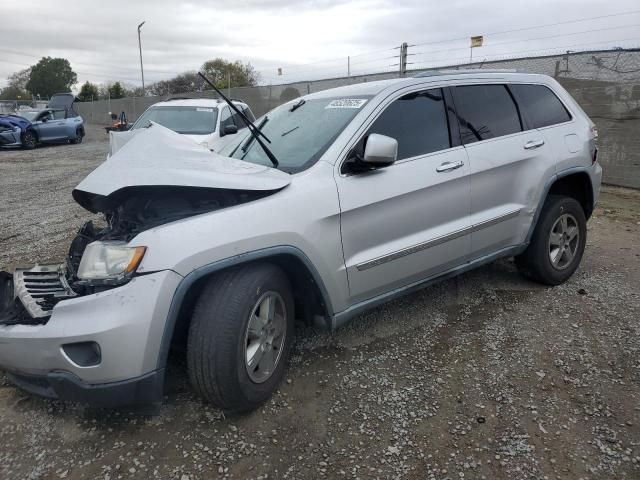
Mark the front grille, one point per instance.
(41, 287)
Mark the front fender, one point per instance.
(194, 276)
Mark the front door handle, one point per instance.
(448, 166)
(533, 144)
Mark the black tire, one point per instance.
(216, 357)
(535, 262)
(29, 140)
(79, 136)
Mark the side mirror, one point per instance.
(44, 119)
(230, 130)
(380, 151)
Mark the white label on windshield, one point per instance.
(347, 103)
(200, 109)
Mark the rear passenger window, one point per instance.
(539, 105)
(418, 122)
(485, 111)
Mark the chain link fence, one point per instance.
(13, 106)
(605, 83)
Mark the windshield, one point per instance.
(298, 137)
(185, 120)
(31, 116)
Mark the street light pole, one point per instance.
(140, 48)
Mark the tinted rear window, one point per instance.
(485, 111)
(418, 122)
(539, 105)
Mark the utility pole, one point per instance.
(140, 48)
(348, 66)
(403, 59)
(229, 83)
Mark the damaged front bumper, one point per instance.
(100, 348)
(10, 137)
(37, 289)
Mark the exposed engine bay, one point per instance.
(29, 295)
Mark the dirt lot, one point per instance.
(484, 376)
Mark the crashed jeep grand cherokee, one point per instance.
(332, 204)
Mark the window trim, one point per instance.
(380, 109)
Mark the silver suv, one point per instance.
(352, 197)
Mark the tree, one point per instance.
(185, 82)
(116, 90)
(51, 75)
(88, 92)
(219, 71)
(16, 85)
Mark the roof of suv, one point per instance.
(377, 86)
(195, 102)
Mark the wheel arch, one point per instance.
(310, 294)
(574, 183)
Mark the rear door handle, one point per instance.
(448, 166)
(533, 144)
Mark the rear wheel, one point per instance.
(240, 335)
(557, 244)
(29, 140)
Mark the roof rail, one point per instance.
(466, 71)
(186, 98)
(202, 98)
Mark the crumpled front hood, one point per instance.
(158, 156)
(12, 121)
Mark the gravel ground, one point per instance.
(483, 376)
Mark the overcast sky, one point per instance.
(307, 38)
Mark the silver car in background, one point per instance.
(369, 191)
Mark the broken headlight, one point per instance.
(109, 262)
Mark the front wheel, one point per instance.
(79, 136)
(557, 244)
(29, 140)
(240, 335)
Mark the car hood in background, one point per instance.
(157, 156)
(61, 101)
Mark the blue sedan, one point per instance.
(58, 123)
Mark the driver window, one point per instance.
(58, 115)
(46, 116)
(418, 121)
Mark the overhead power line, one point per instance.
(533, 27)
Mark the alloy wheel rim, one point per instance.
(265, 336)
(563, 241)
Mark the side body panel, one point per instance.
(508, 174)
(404, 222)
(506, 185)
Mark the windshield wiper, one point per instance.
(255, 132)
(297, 105)
(249, 140)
